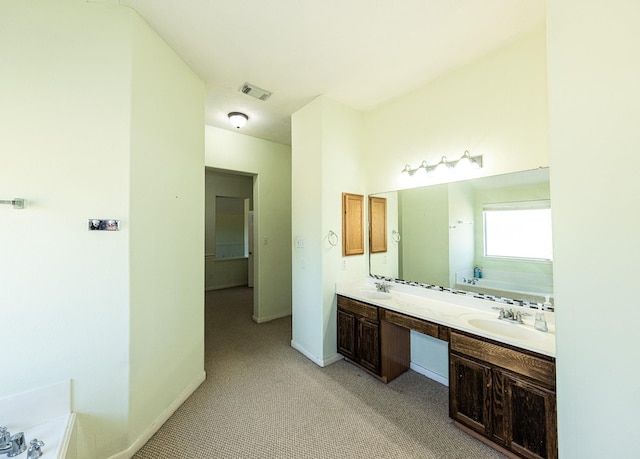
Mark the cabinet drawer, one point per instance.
(538, 368)
(367, 311)
(419, 325)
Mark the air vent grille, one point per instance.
(254, 91)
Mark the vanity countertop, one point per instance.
(465, 313)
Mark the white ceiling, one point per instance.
(362, 53)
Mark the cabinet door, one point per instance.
(368, 345)
(470, 393)
(530, 419)
(377, 224)
(346, 334)
(352, 224)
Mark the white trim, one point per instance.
(429, 374)
(260, 320)
(160, 420)
(518, 205)
(320, 362)
(68, 437)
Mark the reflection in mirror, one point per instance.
(443, 238)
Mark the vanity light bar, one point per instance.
(465, 162)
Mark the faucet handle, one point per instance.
(5, 438)
(34, 451)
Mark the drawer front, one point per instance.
(537, 368)
(367, 311)
(419, 325)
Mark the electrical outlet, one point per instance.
(265, 241)
(344, 265)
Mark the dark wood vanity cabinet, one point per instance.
(469, 393)
(359, 333)
(365, 338)
(506, 395)
(501, 394)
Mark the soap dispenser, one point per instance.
(541, 322)
(547, 306)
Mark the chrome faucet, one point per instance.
(18, 445)
(382, 287)
(511, 316)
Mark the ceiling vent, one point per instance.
(254, 91)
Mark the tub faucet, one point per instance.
(18, 445)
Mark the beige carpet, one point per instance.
(263, 399)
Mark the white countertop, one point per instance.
(460, 312)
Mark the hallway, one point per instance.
(263, 399)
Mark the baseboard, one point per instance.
(261, 320)
(320, 362)
(160, 420)
(223, 286)
(429, 374)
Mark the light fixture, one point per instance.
(422, 171)
(465, 163)
(405, 175)
(238, 119)
(442, 167)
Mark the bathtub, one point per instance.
(520, 291)
(44, 414)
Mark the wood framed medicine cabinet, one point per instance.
(377, 224)
(352, 224)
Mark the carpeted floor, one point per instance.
(263, 399)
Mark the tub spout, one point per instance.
(18, 445)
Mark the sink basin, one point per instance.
(506, 329)
(375, 295)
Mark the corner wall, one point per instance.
(327, 161)
(66, 95)
(88, 105)
(166, 332)
(593, 111)
(271, 162)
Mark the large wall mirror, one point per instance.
(490, 235)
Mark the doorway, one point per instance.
(229, 229)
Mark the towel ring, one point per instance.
(332, 238)
(395, 236)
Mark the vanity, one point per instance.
(501, 374)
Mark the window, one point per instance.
(518, 230)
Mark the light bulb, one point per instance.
(238, 119)
(442, 167)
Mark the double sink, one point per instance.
(481, 321)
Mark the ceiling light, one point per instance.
(238, 119)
